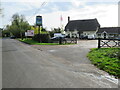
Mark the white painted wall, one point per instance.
(72, 33)
(85, 33)
(89, 33)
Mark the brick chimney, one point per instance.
(68, 18)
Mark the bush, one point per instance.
(44, 38)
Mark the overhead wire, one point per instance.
(37, 10)
(34, 13)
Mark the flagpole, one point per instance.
(61, 19)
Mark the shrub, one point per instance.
(44, 38)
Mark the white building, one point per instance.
(109, 32)
(82, 28)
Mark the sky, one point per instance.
(106, 11)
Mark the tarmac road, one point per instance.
(50, 67)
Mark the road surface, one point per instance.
(26, 67)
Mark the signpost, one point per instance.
(39, 23)
(29, 33)
(39, 20)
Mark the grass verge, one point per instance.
(32, 42)
(107, 59)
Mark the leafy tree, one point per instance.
(6, 33)
(35, 28)
(1, 10)
(55, 30)
(19, 26)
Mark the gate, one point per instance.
(108, 43)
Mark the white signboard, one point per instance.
(29, 33)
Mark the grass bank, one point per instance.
(32, 42)
(107, 59)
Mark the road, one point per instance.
(0, 63)
(25, 66)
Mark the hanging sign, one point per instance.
(39, 20)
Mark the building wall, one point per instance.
(84, 33)
(72, 33)
(108, 35)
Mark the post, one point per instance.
(99, 43)
(39, 24)
(39, 34)
(76, 40)
(60, 40)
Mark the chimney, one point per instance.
(68, 18)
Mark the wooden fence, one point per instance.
(108, 43)
(66, 41)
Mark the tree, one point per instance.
(19, 26)
(42, 31)
(55, 30)
(6, 32)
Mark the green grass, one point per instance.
(32, 42)
(107, 59)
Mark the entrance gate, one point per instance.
(108, 43)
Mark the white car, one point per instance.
(91, 37)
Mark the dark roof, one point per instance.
(113, 30)
(82, 25)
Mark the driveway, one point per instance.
(31, 66)
(74, 58)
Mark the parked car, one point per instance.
(83, 37)
(59, 35)
(91, 37)
(12, 37)
(57, 38)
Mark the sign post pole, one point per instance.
(39, 34)
(39, 24)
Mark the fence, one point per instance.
(71, 40)
(65, 41)
(108, 43)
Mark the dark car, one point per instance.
(57, 38)
(12, 37)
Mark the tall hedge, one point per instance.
(44, 38)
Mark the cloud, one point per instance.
(106, 13)
(59, 0)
